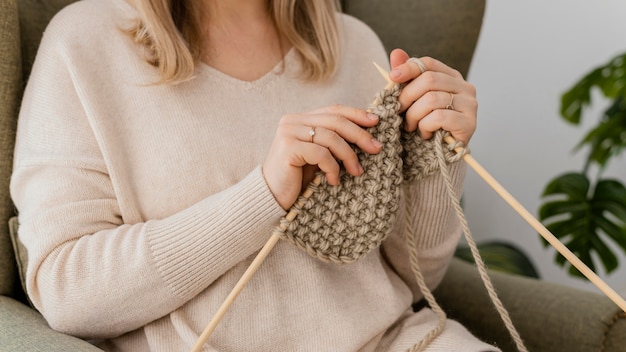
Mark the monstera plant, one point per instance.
(584, 209)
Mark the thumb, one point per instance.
(398, 57)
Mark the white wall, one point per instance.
(529, 53)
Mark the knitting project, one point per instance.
(343, 223)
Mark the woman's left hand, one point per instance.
(438, 98)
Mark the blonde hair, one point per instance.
(170, 32)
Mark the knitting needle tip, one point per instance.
(382, 72)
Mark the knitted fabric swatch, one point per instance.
(343, 223)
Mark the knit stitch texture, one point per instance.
(343, 223)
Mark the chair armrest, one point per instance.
(25, 330)
(548, 316)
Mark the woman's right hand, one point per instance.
(295, 155)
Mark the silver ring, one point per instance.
(450, 106)
(312, 133)
(419, 63)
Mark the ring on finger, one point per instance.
(419, 63)
(450, 106)
(312, 133)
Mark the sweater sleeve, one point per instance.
(436, 229)
(90, 273)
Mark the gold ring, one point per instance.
(312, 133)
(450, 106)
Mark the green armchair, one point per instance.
(549, 317)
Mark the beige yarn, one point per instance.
(342, 223)
(482, 269)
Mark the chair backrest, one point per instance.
(34, 16)
(22, 23)
(444, 29)
(10, 88)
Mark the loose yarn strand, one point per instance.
(504, 314)
(421, 283)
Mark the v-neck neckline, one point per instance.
(278, 69)
(287, 63)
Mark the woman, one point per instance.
(158, 146)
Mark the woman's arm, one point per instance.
(91, 272)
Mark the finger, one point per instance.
(459, 126)
(398, 57)
(405, 72)
(343, 129)
(431, 81)
(339, 148)
(434, 100)
(314, 154)
(410, 70)
(360, 117)
(438, 66)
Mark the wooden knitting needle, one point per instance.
(258, 260)
(532, 221)
(542, 230)
(254, 266)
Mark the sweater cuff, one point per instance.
(194, 247)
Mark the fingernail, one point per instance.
(371, 116)
(376, 143)
(361, 170)
(395, 73)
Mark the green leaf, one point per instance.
(610, 190)
(608, 138)
(586, 216)
(609, 78)
(609, 260)
(585, 220)
(611, 230)
(574, 100)
(573, 185)
(562, 207)
(613, 76)
(565, 227)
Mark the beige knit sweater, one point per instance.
(141, 205)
